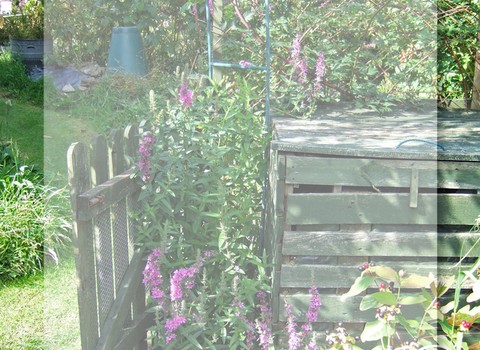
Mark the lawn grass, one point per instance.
(60, 131)
(62, 329)
(41, 312)
(22, 313)
(23, 124)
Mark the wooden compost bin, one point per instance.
(342, 193)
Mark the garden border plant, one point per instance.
(201, 166)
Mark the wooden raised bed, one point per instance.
(342, 193)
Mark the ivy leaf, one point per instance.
(361, 283)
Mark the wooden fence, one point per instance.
(111, 296)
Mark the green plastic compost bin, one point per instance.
(126, 53)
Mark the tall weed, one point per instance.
(27, 224)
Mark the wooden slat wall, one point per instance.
(338, 213)
(102, 196)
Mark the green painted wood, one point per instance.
(394, 243)
(102, 233)
(458, 209)
(132, 142)
(359, 172)
(326, 276)
(465, 175)
(135, 334)
(346, 131)
(82, 237)
(335, 310)
(275, 296)
(110, 193)
(116, 153)
(112, 328)
(414, 182)
(119, 215)
(360, 208)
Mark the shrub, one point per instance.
(27, 225)
(16, 82)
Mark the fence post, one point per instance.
(79, 182)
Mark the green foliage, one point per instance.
(28, 228)
(14, 80)
(203, 189)
(26, 22)
(458, 28)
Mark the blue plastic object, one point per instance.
(126, 53)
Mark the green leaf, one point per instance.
(416, 281)
(376, 330)
(385, 298)
(369, 302)
(475, 292)
(385, 272)
(361, 283)
(444, 284)
(409, 327)
(411, 300)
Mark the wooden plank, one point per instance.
(120, 308)
(116, 153)
(361, 243)
(343, 276)
(464, 175)
(414, 189)
(347, 131)
(102, 233)
(361, 208)
(82, 237)
(132, 141)
(359, 172)
(138, 303)
(458, 209)
(333, 309)
(110, 192)
(135, 333)
(275, 296)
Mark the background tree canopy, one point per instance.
(376, 52)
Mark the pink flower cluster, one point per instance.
(294, 338)
(183, 278)
(153, 277)
(319, 72)
(185, 96)
(145, 154)
(299, 64)
(264, 333)
(180, 278)
(172, 325)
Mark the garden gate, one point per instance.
(111, 297)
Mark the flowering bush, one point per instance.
(201, 167)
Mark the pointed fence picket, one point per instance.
(111, 297)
